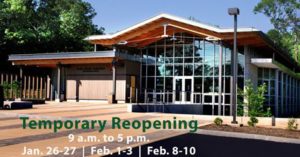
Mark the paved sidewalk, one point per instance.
(13, 138)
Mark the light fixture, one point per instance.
(210, 38)
(173, 37)
(122, 42)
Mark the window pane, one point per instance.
(199, 48)
(160, 70)
(150, 83)
(178, 70)
(188, 50)
(169, 51)
(198, 84)
(178, 50)
(198, 69)
(159, 83)
(169, 83)
(151, 70)
(208, 84)
(169, 70)
(188, 70)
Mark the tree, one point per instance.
(285, 16)
(46, 25)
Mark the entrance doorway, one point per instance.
(183, 89)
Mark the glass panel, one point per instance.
(144, 70)
(217, 59)
(228, 62)
(207, 99)
(227, 85)
(159, 84)
(198, 84)
(199, 48)
(169, 51)
(160, 70)
(198, 60)
(260, 73)
(178, 60)
(272, 74)
(266, 73)
(169, 60)
(188, 89)
(198, 70)
(216, 79)
(178, 70)
(178, 89)
(188, 50)
(208, 84)
(240, 83)
(209, 59)
(188, 60)
(169, 83)
(178, 50)
(169, 70)
(150, 83)
(151, 70)
(188, 70)
(151, 56)
(241, 64)
(160, 55)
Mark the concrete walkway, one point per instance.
(13, 138)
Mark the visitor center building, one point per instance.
(172, 64)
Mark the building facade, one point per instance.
(171, 64)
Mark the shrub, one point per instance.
(292, 124)
(253, 121)
(218, 121)
(255, 98)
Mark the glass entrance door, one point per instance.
(183, 89)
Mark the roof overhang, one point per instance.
(271, 63)
(264, 63)
(53, 59)
(151, 30)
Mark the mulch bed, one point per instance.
(255, 130)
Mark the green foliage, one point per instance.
(46, 25)
(6, 87)
(14, 86)
(284, 15)
(253, 121)
(255, 100)
(218, 121)
(292, 124)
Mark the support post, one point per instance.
(112, 98)
(220, 78)
(276, 93)
(58, 83)
(235, 12)
(21, 82)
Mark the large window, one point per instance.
(188, 56)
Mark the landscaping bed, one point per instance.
(255, 130)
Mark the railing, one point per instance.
(29, 87)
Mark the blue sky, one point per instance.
(115, 15)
